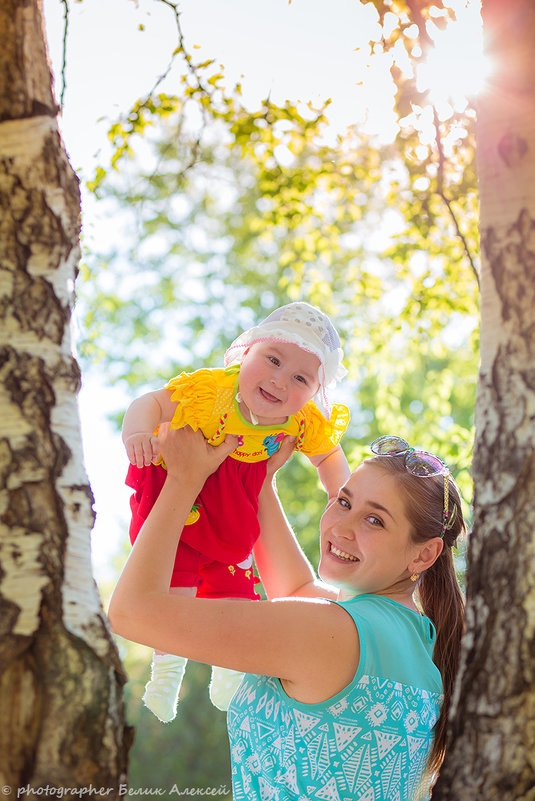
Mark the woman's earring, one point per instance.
(415, 577)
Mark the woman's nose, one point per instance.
(343, 530)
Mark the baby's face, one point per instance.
(277, 379)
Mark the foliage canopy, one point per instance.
(231, 211)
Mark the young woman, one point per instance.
(343, 697)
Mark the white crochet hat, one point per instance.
(303, 325)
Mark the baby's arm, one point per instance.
(141, 418)
(332, 468)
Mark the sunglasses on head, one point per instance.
(418, 463)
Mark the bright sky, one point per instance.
(303, 50)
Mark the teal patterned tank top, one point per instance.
(370, 742)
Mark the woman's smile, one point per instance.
(342, 555)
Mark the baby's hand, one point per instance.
(142, 448)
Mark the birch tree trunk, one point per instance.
(492, 735)
(61, 709)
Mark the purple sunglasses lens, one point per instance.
(389, 446)
(421, 463)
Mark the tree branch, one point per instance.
(418, 18)
(64, 55)
(441, 193)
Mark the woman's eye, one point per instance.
(343, 502)
(375, 521)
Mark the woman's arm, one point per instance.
(282, 565)
(333, 469)
(310, 644)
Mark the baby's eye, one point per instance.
(301, 378)
(274, 360)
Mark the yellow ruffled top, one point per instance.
(206, 399)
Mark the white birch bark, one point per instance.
(60, 676)
(492, 735)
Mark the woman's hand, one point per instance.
(188, 456)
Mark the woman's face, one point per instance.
(365, 544)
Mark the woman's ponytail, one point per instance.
(443, 602)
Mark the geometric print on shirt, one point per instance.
(371, 744)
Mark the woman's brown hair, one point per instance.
(439, 591)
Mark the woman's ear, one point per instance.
(427, 556)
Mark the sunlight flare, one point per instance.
(456, 68)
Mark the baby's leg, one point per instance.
(233, 582)
(224, 683)
(167, 672)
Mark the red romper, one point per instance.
(214, 552)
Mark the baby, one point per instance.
(274, 384)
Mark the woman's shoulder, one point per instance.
(396, 642)
(381, 608)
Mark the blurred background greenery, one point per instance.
(222, 212)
